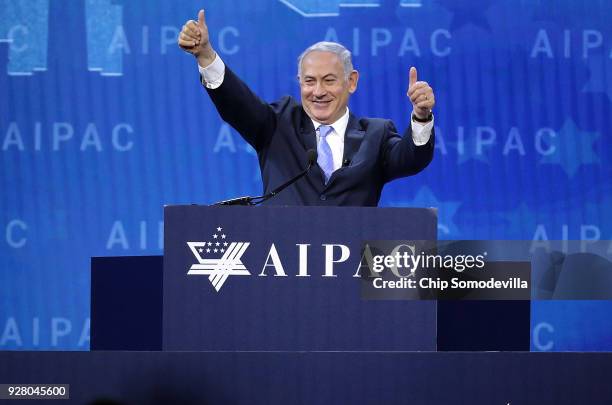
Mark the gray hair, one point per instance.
(343, 54)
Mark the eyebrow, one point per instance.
(327, 76)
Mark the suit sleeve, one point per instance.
(253, 118)
(400, 156)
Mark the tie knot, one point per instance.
(325, 130)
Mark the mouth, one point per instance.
(321, 103)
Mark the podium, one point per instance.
(287, 279)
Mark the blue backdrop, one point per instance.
(103, 121)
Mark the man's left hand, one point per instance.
(421, 96)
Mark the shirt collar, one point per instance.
(339, 126)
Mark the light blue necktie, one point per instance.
(325, 158)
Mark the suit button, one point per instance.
(323, 197)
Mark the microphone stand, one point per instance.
(247, 200)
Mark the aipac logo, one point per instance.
(218, 258)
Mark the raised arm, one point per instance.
(236, 103)
(411, 153)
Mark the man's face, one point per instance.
(324, 90)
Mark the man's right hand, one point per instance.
(194, 39)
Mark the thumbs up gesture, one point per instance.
(194, 39)
(421, 96)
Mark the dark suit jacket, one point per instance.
(282, 133)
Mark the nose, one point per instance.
(319, 90)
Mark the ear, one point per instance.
(352, 80)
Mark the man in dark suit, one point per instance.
(356, 156)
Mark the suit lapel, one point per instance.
(307, 132)
(308, 137)
(352, 138)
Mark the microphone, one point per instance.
(246, 200)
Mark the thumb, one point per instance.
(201, 18)
(413, 77)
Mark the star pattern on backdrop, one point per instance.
(600, 72)
(446, 209)
(574, 148)
(468, 13)
(521, 222)
(467, 150)
(546, 219)
(505, 29)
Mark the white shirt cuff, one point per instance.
(213, 74)
(421, 132)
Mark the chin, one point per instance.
(320, 115)
(326, 115)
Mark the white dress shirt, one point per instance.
(212, 77)
(334, 139)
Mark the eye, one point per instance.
(330, 81)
